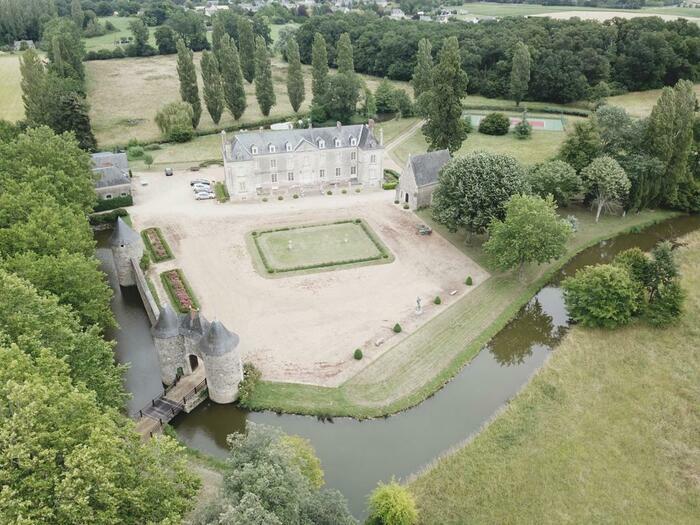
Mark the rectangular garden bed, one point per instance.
(179, 291)
(157, 246)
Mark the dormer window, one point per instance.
(289, 147)
(254, 150)
(272, 149)
(337, 143)
(353, 141)
(321, 144)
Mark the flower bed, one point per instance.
(156, 244)
(179, 291)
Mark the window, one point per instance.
(273, 164)
(321, 174)
(254, 150)
(337, 143)
(353, 170)
(289, 147)
(108, 196)
(337, 172)
(241, 187)
(373, 159)
(353, 155)
(273, 177)
(124, 194)
(353, 141)
(290, 175)
(321, 144)
(272, 149)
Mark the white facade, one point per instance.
(299, 161)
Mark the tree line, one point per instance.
(571, 59)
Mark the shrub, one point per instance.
(390, 175)
(390, 185)
(357, 190)
(358, 354)
(147, 159)
(145, 262)
(96, 219)
(264, 199)
(397, 328)
(468, 281)
(111, 204)
(329, 192)
(601, 296)
(667, 305)
(175, 121)
(437, 300)
(251, 378)
(494, 124)
(295, 196)
(406, 206)
(134, 152)
(152, 147)
(396, 201)
(392, 504)
(573, 222)
(221, 192)
(522, 130)
(343, 191)
(280, 197)
(557, 178)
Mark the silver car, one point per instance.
(204, 195)
(201, 187)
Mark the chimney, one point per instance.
(370, 123)
(311, 125)
(338, 125)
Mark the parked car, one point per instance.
(204, 195)
(201, 187)
(199, 181)
(168, 172)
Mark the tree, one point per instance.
(522, 130)
(494, 124)
(147, 159)
(140, 32)
(175, 121)
(581, 146)
(76, 13)
(385, 98)
(295, 76)
(189, 26)
(606, 181)
(344, 57)
(33, 93)
(392, 504)
(189, 91)
(423, 73)
(444, 127)
(646, 176)
(165, 40)
(474, 189)
(616, 130)
(217, 33)
(247, 45)
(531, 232)
(341, 97)
(304, 457)
(65, 49)
(264, 90)
(556, 178)
(232, 77)
(520, 72)
(601, 296)
(213, 89)
(369, 108)
(319, 70)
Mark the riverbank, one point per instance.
(606, 431)
(431, 356)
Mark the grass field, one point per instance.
(469, 10)
(108, 41)
(11, 107)
(606, 432)
(420, 364)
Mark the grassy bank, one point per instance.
(606, 432)
(422, 363)
(11, 106)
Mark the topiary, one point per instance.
(397, 328)
(437, 300)
(358, 354)
(280, 198)
(494, 124)
(295, 196)
(396, 201)
(406, 206)
(344, 191)
(469, 281)
(329, 192)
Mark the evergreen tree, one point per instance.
(33, 74)
(264, 90)
(319, 66)
(73, 116)
(581, 146)
(232, 77)
(213, 89)
(344, 55)
(520, 72)
(295, 77)
(189, 91)
(76, 13)
(247, 47)
(445, 127)
(423, 73)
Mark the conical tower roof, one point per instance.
(218, 340)
(167, 324)
(123, 234)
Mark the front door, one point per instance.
(406, 197)
(194, 362)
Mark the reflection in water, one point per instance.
(357, 454)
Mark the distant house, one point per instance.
(113, 175)
(397, 14)
(420, 178)
(21, 45)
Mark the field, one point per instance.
(108, 41)
(11, 107)
(125, 95)
(606, 432)
(316, 246)
(480, 9)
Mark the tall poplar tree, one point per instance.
(520, 72)
(76, 13)
(65, 49)
(344, 55)
(247, 47)
(217, 33)
(423, 73)
(444, 127)
(33, 74)
(319, 69)
(213, 90)
(189, 91)
(264, 90)
(232, 77)
(295, 77)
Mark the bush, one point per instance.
(221, 192)
(134, 152)
(264, 199)
(557, 178)
(601, 296)
(329, 192)
(251, 379)
(667, 305)
(357, 190)
(437, 300)
(397, 328)
(392, 504)
(152, 147)
(522, 130)
(390, 185)
(494, 124)
(343, 191)
(96, 219)
(175, 121)
(295, 196)
(358, 354)
(406, 206)
(396, 201)
(111, 204)
(280, 197)
(468, 281)
(145, 262)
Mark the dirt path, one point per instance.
(390, 161)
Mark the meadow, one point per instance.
(605, 432)
(11, 107)
(469, 10)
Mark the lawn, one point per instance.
(395, 127)
(317, 246)
(108, 40)
(11, 106)
(640, 103)
(423, 362)
(606, 432)
(125, 95)
(206, 148)
(480, 9)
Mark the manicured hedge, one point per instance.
(173, 295)
(221, 192)
(151, 249)
(390, 185)
(111, 204)
(96, 219)
(390, 175)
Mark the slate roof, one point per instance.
(110, 176)
(193, 325)
(167, 324)
(218, 340)
(242, 143)
(104, 159)
(426, 167)
(123, 234)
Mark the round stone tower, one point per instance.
(169, 344)
(222, 362)
(126, 245)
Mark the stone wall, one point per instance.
(224, 373)
(149, 302)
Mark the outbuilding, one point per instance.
(420, 178)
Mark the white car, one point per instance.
(204, 195)
(200, 181)
(201, 187)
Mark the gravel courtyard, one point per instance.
(302, 328)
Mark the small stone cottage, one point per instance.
(420, 178)
(113, 179)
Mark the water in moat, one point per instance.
(357, 454)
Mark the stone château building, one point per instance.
(420, 178)
(258, 163)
